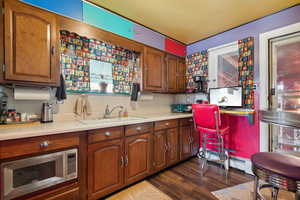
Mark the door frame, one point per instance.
(264, 76)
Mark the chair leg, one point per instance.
(204, 155)
(274, 193)
(297, 195)
(255, 188)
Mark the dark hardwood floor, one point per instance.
(184, 180)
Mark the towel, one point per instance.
(82, 106)
(61, 90)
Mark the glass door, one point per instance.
(284, 77)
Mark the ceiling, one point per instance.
(192, 20)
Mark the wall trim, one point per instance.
(264, 75)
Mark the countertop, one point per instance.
(15, 132)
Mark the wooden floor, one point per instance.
(184, 181)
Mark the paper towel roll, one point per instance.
(21, 93)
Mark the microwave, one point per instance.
(24, 176)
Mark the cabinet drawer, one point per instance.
(186, 121)
(22, 147)
(105, 134)
(138, 129)
(165, 124)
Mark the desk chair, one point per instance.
(207, 121)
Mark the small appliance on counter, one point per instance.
(3, 107)
(199, 80)
(181, 108)
(47, 113)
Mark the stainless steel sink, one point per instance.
(109, 120)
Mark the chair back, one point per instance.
(206, 116)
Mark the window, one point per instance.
(223, 66)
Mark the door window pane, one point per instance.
(228, 69)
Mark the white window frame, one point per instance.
(213, 54)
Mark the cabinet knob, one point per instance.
(190, 120)
(44, 144)
(139, 128)
(167, 124)
(107, 133)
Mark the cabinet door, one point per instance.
(105, 168)
(159, 150)
(137, 157)
(172, 73)
(181, 80)
(195, 141)
(185, 142)
(154, 68)
(30, 44)
(173, 146)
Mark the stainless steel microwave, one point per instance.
(24, 176)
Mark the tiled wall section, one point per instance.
(101, 18)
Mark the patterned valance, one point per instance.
(197, 64)
(246, 70)
(77, 52)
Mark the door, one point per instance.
(186, 140)
(137, 157)
(195, 141)
(181, 79)
(154, 68)
(172, 73)
(105, 167)
(30, 44)
(173, 146)
(159, 150)
(284, 71)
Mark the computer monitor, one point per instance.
(226, 97)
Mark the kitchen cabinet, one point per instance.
(181, 78)
(31, 53)
(137, 157)
(105, 167)
(166, 144)
(154, 70)
(189, 139)
(172, 75)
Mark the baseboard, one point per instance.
(242, 164)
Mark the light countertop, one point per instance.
(15, 132)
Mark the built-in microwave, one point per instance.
(24, 176)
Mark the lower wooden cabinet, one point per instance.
(105, 167)
(189, 140)
(137, 157)
(115, 163)
(165, 148)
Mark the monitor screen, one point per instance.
(226, 97)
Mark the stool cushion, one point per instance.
(281, 164)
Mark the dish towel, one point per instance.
(82, 106)
(61, 90)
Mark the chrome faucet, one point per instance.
(108, 112)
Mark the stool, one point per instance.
(207, 122)
(279, 171)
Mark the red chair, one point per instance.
(207, 121)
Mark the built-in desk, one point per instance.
(249, 113)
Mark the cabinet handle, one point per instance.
(52, 50)
(44, 144)
(126, 160)
(167, 124)
(107, 133)
(190, 120)
(166, 147)
(139, 128)
(192, 139)
(122, 161)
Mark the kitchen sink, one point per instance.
(109, 120)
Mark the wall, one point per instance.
(64, 112)
(245, 137)
(89, 13)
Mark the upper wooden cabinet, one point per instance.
(154, 70)
(181, 75)
(172, 75)
(31, 53)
